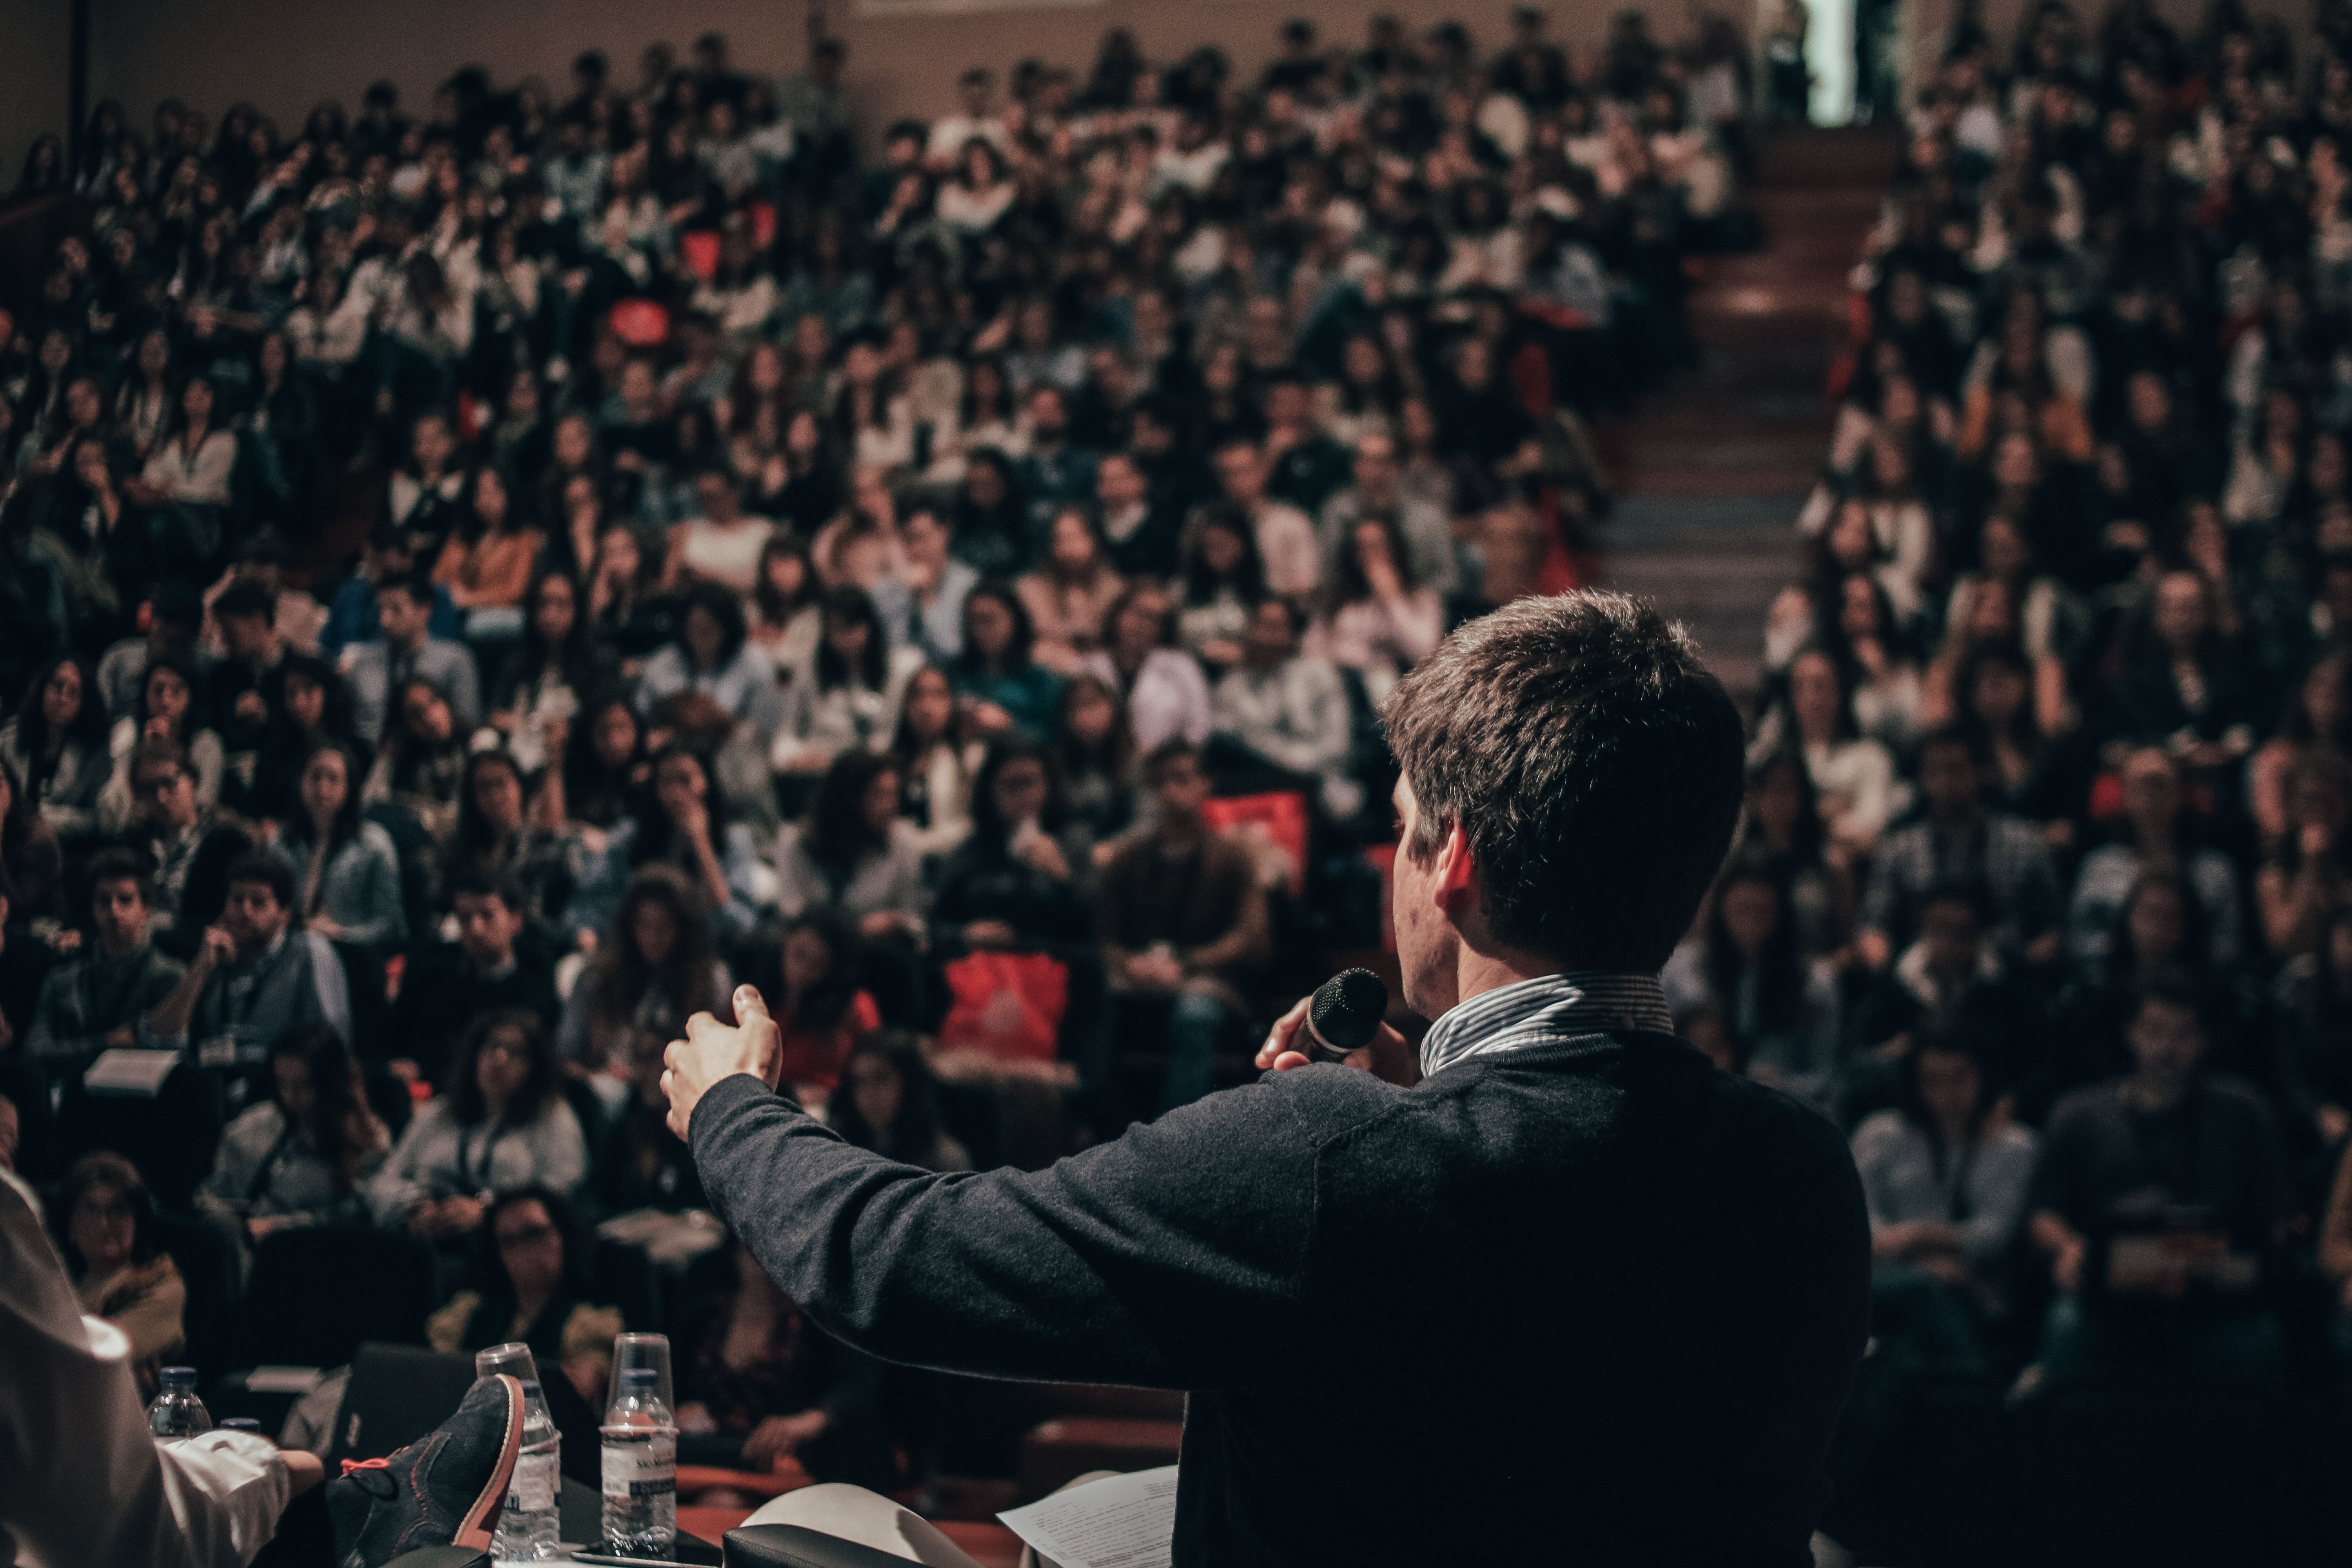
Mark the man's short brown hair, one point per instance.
(1593, 763)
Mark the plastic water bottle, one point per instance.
(640, 1468)
(177, 1411)
(530, 1524)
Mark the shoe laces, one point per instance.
(353, 1465)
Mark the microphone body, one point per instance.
(1344, 1015)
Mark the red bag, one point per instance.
(1008, 1005)
(1281, 815)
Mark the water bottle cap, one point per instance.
(640, 1377)
(175, 1375)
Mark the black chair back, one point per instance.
(315, 1295)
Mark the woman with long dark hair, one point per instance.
(1070, 592)
(56, 745)
(604, 767)
(1024, 877)
(1377, 620)
(1160, 684)
(314, 705)
(991, 516)
(810, 976)
(168, 708)
(495, 838)
(679, 820)
(847, 697)
(486, 561)
(786, 619)
(346, 870)
(104, 1224)
(888, 1102)
(553, 669)
(934, 765)
(1005, 687)
(1781, 1010)
(1945, 1175)
(501, 1123)
(305, 1155)
(654, 966)
(713, 655)
(527, 1283)
(2157, 832)
(853, 852)
(1095, 755)
(1224, 580)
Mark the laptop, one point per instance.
(397, 1394)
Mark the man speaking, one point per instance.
(1556, 1293)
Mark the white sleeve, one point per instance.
(96, 1490)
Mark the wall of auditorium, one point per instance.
(35, 58)
(285, 55)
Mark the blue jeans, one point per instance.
(1195, 1024)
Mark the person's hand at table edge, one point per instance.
(712, 1050)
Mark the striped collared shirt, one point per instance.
(1534, 1012)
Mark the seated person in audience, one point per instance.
(2188, 689)
(96, 1000)
(1280, 535)
(604, 768)
(187, 849)
(530, 1286)
(2168, 1147)
(889, 1101)
(305, 1155)
(104, 1222)
(314, 707)
(935, 764)
(1945, 1173)
(377, 672)
(757, 1383)
(555, 667)
(485, 564)
(1958, 839)
(641, 1163)
(242, 691)
(1955, 976)
(497, 839)
(679, 823)
(922, 603)
(352, 613)
(1427, 557)
(418, 772)
(166, 711)
(2306, 872)
(493, 966)
(1283, 718)
(855, 853)
(56, 745)
(1000, 686)
(721, 547)
(1381, 620)
(847, 697)
(1025, 879)
(1184, 922)
(1853, 775)
(254, 977)
(1781, 1009)
(32, 861)
(1095, 754)
(1162, 687)
(713, 655)
(501, 1123)
(1069, 592)
(653, 967)
(786, 621)
(2310, 1034)
(346, 872)
(1224, 583)
(811, 976)
(2155, 833)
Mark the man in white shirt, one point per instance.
(83, 1483)
(951, 134)
(1286, 540)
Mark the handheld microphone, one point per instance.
(1345, 1014)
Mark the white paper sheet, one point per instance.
(1120, 1521)
(123, 1071)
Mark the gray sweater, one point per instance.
(1584, 1301)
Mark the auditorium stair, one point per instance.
(1710, 472)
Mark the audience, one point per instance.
(104, 1222)
(501, 1123)
(304, 1156)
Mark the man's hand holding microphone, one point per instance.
(1342, 1022)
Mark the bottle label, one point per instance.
(642, 1470)
(534, 1483)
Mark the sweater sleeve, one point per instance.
(1166, 1259)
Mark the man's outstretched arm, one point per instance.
(1174, 1257)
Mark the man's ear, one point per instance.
(1454, 868)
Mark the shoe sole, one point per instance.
(480, 1521)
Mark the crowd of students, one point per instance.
(2043, 888)
(869, 578)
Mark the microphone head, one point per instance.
(1347, 1009)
